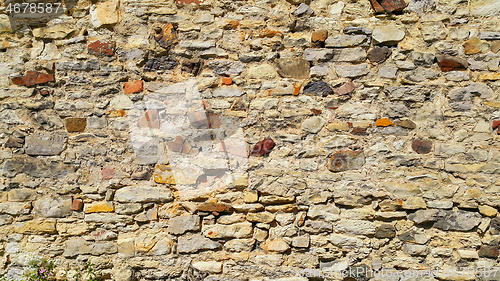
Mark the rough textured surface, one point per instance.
(235, 140)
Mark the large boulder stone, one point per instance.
(53, 207)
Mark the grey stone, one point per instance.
(313, 54)
(457, 76)
(46, 143)
(89, 65)
(196, 44)
(128, 208)
(143, 194)
(320, 70)
(36, 167)
(423, 59)
(195, 243)
(385, 230)
(458, 220)
(53, 207)
(405, 65)
(328, 212)
(346, 241)
(227, 67)
(303, 10)
(14, 208)
(387, 35)
(231, 91)
(424, 216)
(131, 55)
(357, 54)
(319, 88)
(408, 93)
(353, 71)
(414, 235)
(22, 194)
(421, 74)
(357, 30)
(250, 57)
(388, 71)
(95, 122)
(181, 224)
(489, 35)
(5, 219)
(344, 41)
(76, 246)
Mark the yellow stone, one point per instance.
(332, 127)
(36, 227)
(250, 196)
(275, 246)
(490, 76)
(488, 211)
(492, 103)
(234, 113)
(99, 207)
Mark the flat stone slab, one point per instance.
(46, 143)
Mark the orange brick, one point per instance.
(384, 122)
(227, 80)
(133, 87)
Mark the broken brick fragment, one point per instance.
(77, 205)
(227, 80)
(33, 78)
(167, 36)
(318, 38)
(315, 111)
(495, 124)
(202, 120)
(108, 173)
(408, 124)
(102, 48)
(388, 6)
(150, 119)
(263, 147)
(422, 146)
(133, 87)
(383, 122)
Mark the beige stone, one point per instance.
(275, 246)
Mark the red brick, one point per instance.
(227, 80)
(77, 205)
(133, 87)
(150, 119)
(33, 78)
(495, 124)
(108, 173)
(393, 5)
(102, 48)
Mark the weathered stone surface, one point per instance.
(346, 160)
(196, 242)
(57, 31)
(458, 221)
(379, 54)
(323, 54)
(387, 34)
(353, 71)
(140, 194)
(293, 68)
(53, 207)
(275, 246)
(75, 124)
(265, 71)
(447, 63)
(237, 230)
(225, 67)
(344, 41)
(422, 146)
(102, 48)
(181, 224)
(36, 227)
(408, 93)
(105, 13)
(46, 143)
(161, 63)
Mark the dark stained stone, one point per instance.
(448, 63)
(161, 63)
(346, 160)
(33, 78)
(76, 124)
(167, 36)
(385, 230)
(379, 54)
(488, 251)
(408, 124)
(293, 68)
(213, 207)
(14, 142)
(360, 131)
(102, 48)
(318, 38)
(35, 167)
(193, 66)
(422, 146)
(393, 5)
(46, 143)
(263, 147)
(319, 88)
(376, 6)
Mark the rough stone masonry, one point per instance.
(237, 140)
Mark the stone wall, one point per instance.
(237, 140)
